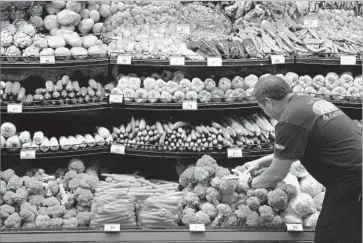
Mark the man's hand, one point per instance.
(250, 166)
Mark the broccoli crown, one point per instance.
(33, 186)
(77, 165)
(253, 203)
(13, 221)
(28, 212)
(55, 222)
(201, 190)
(84, 218)
(42, 211)
(290, 191)
(36, 199)
(227, 187)
(201, 175)
(29, 225)
(242, 197)
(242, 213)
(56, 211)
(230, 198)
(6, 211)
(221, 172)
(70, 175)
(277, 221)
(213, 195)
(266, 215)
(53, 187)
(277, 199)
(187, 177)
(253, 219)
(203, 218)
(261, 194)
(230, 220)
(70, 213)
(84, 197)
(224, 209)
(42, 221)
(51, 201)
(191, 199)
(215, 182)
(208, 164)
(89, 181)
(210, 209)
(189, 218)
(7, 174)
(8, 197)
(14, 183)
(251, 193)
(20, 196)
(2, 187)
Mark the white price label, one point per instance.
(27, 154)
(348, 60)
(116, 98)
(214, 61)
(294, 227)
(117, 149)
(183, 29)
(190, 105)
(311, 23)
(112, 228)
(47, 59)
(124, 59)
(234, 152)
(277, 59)
(15, 108)
(196, 227)
(177, 61)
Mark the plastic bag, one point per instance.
(303, 204)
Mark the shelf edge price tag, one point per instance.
(234, 152)
(214, 61)
(294, 227)
(117, 149)
(277, 59)
(348, 60)
(196, 227)
(190, 105)
(15, 108)
(47, 59)
(183, 29)
(112, 228)
(124, 59)
(116, 99)
(177, 61)
(27, 154)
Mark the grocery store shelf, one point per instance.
(186, 154)
(64, 108)
(160, 235)
(58, 63)
(58, 154)
(193, 63)
(323, 61)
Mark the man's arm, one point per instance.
(265, 161)
(276, 172)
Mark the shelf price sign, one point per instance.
(117, 149)
(214, 61)
(177, 61)
(294, 227)
(15, 108)
(277, 59)
(183, 29)
(116, 99)
(196, 227)
(190, 105)
(112, 228)
(47, 59)
(124, 59)
(234, 152)
(348, 60)
(27, 154)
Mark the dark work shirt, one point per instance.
(326, 141)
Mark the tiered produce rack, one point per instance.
(111, 109)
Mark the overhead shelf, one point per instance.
(159, 235)
(323, 61)
(5, 154)
(57, 64)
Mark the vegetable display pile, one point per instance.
(215, 196)
(120, 198)
(39, 200)
(64, 91)
(255, 131)
(14, 140)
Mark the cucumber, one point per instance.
(39, 91)
(92, 83)
(91, 92)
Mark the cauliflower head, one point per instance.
(22, 40)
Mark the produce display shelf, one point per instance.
(58, 154)
(181, 234)
(186, 154)
(203, 63)
(52, 109)
(323, 61)
(57, 64)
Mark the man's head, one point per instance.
(272, 94)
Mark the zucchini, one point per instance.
(91, 92)
(38, 97)
(39, 91)
(92, 84)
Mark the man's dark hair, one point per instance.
(271, 86)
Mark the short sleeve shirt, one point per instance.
(323, 138)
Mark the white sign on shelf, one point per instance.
(27, 154)
(47, 59)
(234, 152)
(294, 227)
(311, 22)
(116, 98)
(183, 29)
(277, 59)
(124, 59)
(15, 108)
(196, 227)
(214, 61)
(190, 105)
(177, 61)
(117, 149)
(112, 228)
(348, 60)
